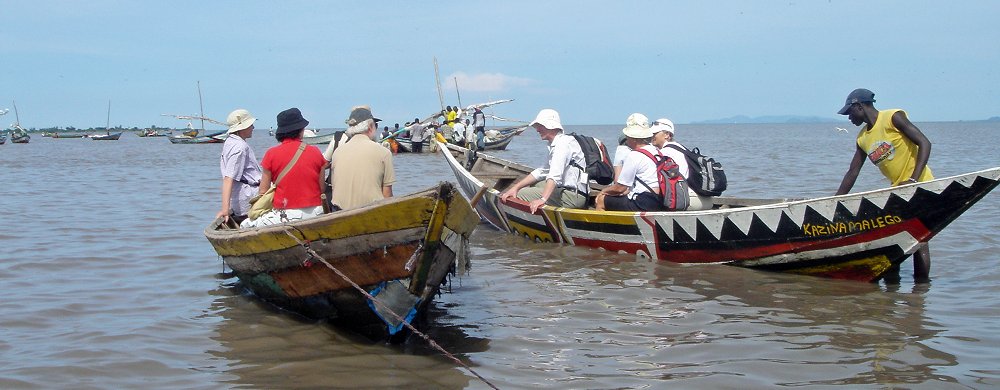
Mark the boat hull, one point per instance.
(412, 241)
(855, 236)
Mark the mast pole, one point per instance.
(201, 107)
(457, 92)
(107, 125)
(17, 117)
(437, 80)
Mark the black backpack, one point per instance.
(598, 167)
(672, 187)
(706, 177)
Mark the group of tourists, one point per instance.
(887, 138)
(360, 171)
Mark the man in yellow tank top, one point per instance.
(900, 150)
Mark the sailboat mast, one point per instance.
(457, 92)
(437, 80)
(107, 125)
(17, 117)
(201, 107)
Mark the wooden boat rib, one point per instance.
(403, 247)
(854, 236)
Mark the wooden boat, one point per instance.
(212, 138)
(106, 137)
(400, 249)
(19, 136)
(60, 135)
(151, 133)
(854, 236)
(323, 139)
(504, 136)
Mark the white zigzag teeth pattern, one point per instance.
(902, 239)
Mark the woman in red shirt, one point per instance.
(298, 193)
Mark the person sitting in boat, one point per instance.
(620, 152)
(298, 194)
(458, 136)
(663, 137)
(557, 183)
(626, 193)
(900, 150)
(241, 173)
(362, 170)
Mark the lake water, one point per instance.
(108, 282)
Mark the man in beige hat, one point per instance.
(664, 138)
(559, 182)
(240, 170)
(627, 192)
(361, 169)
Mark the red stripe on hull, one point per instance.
(711, 255)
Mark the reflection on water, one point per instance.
(109, 283)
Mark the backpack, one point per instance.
(706, 177)
(673, 188)
(598, 167)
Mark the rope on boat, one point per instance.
(313, 253)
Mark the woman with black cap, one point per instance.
(295, 170)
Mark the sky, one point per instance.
(593, 61)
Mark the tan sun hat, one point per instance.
(239, 119)
(548, 118)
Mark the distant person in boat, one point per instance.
(470, 135)
(362, 170)
(557, 183)
(900, 150)
(458, 137)
(663, 136)
(452, 115)
(627, 193)
(240, 171)
(479, 123)
(416, 136)
(299, 193)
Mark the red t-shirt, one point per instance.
(300, 186)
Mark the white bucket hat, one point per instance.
(637, 126)
(663, 124)
(548, 118)
(239, 119)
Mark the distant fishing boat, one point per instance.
(18, 135)
(107, 136)
(191, 135)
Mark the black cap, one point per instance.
(360, 114)
(859, 95)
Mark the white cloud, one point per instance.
(484, 82)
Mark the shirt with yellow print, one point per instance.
(891, 150)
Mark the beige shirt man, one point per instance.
(362, 170)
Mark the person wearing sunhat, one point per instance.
(626, 193)
(240, 170)
(900, 150)
(623, 150)
(298, 193)
(559, 182)
(664, 138)
(361, 169)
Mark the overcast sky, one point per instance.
(594, 62)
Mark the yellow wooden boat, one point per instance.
(398, 250)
